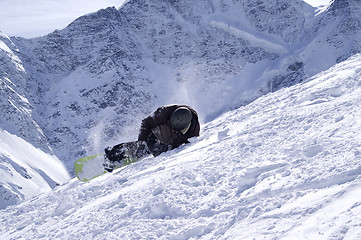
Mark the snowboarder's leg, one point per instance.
(108, 165)
(124, 154)
(155, 146)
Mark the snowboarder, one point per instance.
(167, 128)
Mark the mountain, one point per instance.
(28, 165)
(286, 166)
(75, 91)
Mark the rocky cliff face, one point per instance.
(27, 162)
(17, 113)
(77, 90)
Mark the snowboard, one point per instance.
(89, 167)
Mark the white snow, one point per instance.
(26, 170)
(286, 166)
(5, 50)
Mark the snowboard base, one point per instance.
(90, 167)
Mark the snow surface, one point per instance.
(286, 166)
(26, 170)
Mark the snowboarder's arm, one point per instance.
(146, 128)
(160, 116)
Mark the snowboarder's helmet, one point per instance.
(181, 118)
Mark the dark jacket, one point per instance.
(158, 125)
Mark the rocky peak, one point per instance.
(281, 18)
(348, 6)
(341, 27)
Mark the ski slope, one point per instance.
(286, 166)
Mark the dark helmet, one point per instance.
(181, 118)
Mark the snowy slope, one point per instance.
(286, 166)
(26, 171)
(75, 91)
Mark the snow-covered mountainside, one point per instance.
(286, 166)
(77, 90)
(28, 166)
(26, 171)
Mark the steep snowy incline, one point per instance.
(286, 166)
(26, 171)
